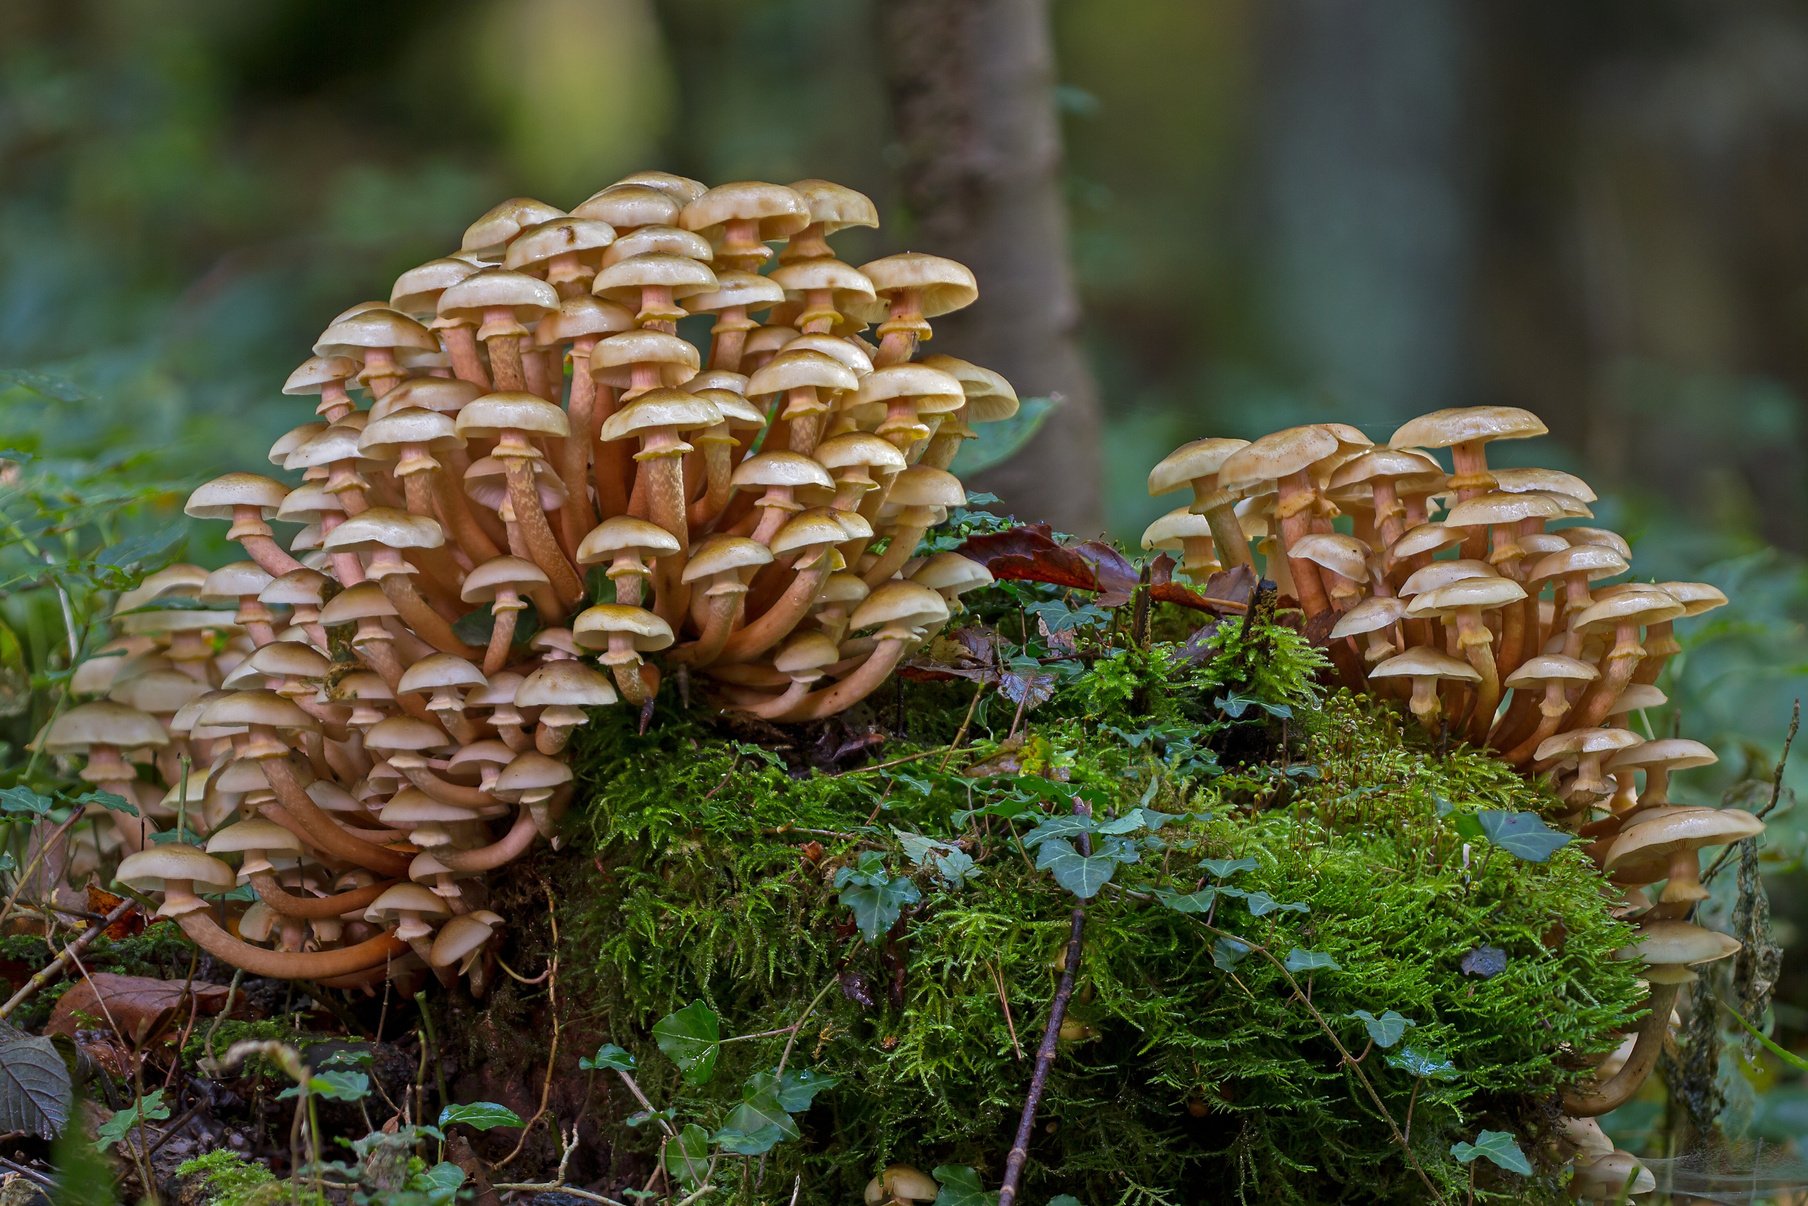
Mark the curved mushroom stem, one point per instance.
(270, 890)
(724, 614)
(446, 792)
(631, 681)
(542, 546)
(502, 639)
(206, 933)
(773, 707)
(1588, 1101)
(505, 362)
(1478, 648)
(576, 517)
(467, 363)
(855, 687)
(428, 624)
(1602, 694)
(320, 830)
(1227, 536)
(270, 556)
(454, 512)
(663, 476)
(507, 848)
(780, 618)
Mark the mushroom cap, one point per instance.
(1605, 1178)
(234, 580)
(840, 588)
(620, 533)
(316, 372)
(805, 653)
(1465, 593)
(1425, 663)
(722, 553)
(404, 898)
(256, 833)
(1594, 560)
(438, 671)
(532, 771)
(779, 211)
(623, 280)
(801, 277)
(1600, 536)
(411, 806)
(1372, 614)
(365, 601)
(1632, 607)
(942, 285)
(405, 733)
(835, 206)
(1546, 668)
(1636, 697)
(525, 297)
(901, 1183)
(567, 682)
(1425, 538)
(1695, 597)
(786, 470)
(850, 352)
(1343, 555)
(613, 359)
(266, 709)
(1383, 462)
(386, 435)
(416, 292)
(442, 395)
(492, 414)
(378, 328)
(738, 290)
(1576, 742)
(681, 188)
(290, 659)
(858, 448)
(151, 869)
(659, 239)
(101, 722)
(1679, 943)
(339, 442)
(801, 368)
(951, 571)
(1462, 424)
(221, 497)
(1443, 573)
(1501, 507)
(487, 237)
(900, 603)
(817, 527)
(1675, 753)
(1196, 459)
(582, 317)
(1662, 832)
(933, 390)
(536, 246)
(926, 486)
(384, 528)
(499, 574)
(1518, 481)
(594, 626)
(660, 410)
(627, 207)
(157, 691)
(990, 398)
(461, 937)
(1277, 455)
(181, 580)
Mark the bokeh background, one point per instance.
(1210, 217)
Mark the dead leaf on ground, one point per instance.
(140, 1006)
(1031, 553)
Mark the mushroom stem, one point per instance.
(428, 624)
(855, 687)
(724, 613)
(270, 556)
(1294, 509)
(320, 830)
(467, 364)
(1227, 536)
(454, 512)
(505, 362)
(206, 933)
(1589, 1101)
(270, 890)
(502, 639)
(447, 792)
(903, 546)
(542, 546)
(507, 848)
(783, 616)
(575, 516)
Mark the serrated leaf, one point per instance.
(1523, 834)
(961, 1187)
(34, 1085)
(1306, 961)
(686, 1156)
(1224, 868)
(1192, 902)
(1083, 875)
(1500, 1147)
(482, 1115)
(609, 1057)
(1418, 1063)
(691, 1038)
(1384, 1031)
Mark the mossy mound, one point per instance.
(1331, 836)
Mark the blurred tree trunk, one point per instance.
(972, 87)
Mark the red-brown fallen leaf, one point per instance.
(1030, 553)
(139, 1006)
(104, 902)
(1225, 592)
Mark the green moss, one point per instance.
(226, 1178)
(1194, 1081)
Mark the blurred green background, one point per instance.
(1279, 211)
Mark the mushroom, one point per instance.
(911, 288)
(503, 583)
(1197, 465)
(561, 691)
(623, 633)
(1287, 458)
(900, 1185)
(1611, 1177)
(1426, 668)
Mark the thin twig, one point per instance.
(960, 734)
(1051, 1037)
(1004, 1001)
(1776, 790)
(70, 953)
(557, 1184)
(552, 1046)
(916, 757)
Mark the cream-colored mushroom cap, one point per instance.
(231, 581)
(462, 937)
(1197, 459)
(782, 469)
(1547, 668)
(1600, 536)
(623, 280)
(778, 211)
(595, 625)
(801, 368)
(501, 574)
(1276, 455)
(398, 901)
(1343, 555)
(859, 448)
(949, 571)
(1676, 753)
(532, 772)
(490, 234)
(384, 527)
(805, 653)
(1425, 538)
(932, 390)
(224, 495)
(492, 414)
(721, 553)
(835, 206)
(1372, 614)
(1425, 663)
(1663, 832)
(155, 867)
(1455, 596)
(102, 722)
(900, 604)
(630, 206)
(1499, 507)
(566, 682)
(924, 486)
(416, 292)
(262, 708)
(1594, 560)
(1462, 424)
(901, 1183)
(537, 245)
(438, 671)
(660, 409)
(379, 328)
(1696, 597)
(1443, 573)
(290, 659)
(1577, 742)
(799, 278)
(1382, 462)
(682, 188)
(1680, 943)
(850, 352)
(738, 290)
(364, 601)
(1632, 607)
(1607, 1178)
(942, 285)
(406, 734)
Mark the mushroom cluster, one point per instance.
(525, 496)
(1473, 595)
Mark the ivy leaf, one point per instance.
(1066, 1199)
(1429, 1067)
(24, 801)
(1228, 952)
(1083, 875)
(876, 897)
(1299, 960)
(796, 1090)
(691, 1038)
(1192, 902)
(686, 1156)
(961, 1187)
(757, 1125)
(483, 1115)
(1224, 868)
(1523, 834)
(439, 1183)
(332, 1084)
(609, 1057)
(149, 1108)
(1261, 904)
(1499, 1147)
(1065, 826)
(108, 801)
(1384, 1031)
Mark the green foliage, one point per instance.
(226, 1178)
(1285, 833)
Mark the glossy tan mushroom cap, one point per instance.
(1458, 425)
